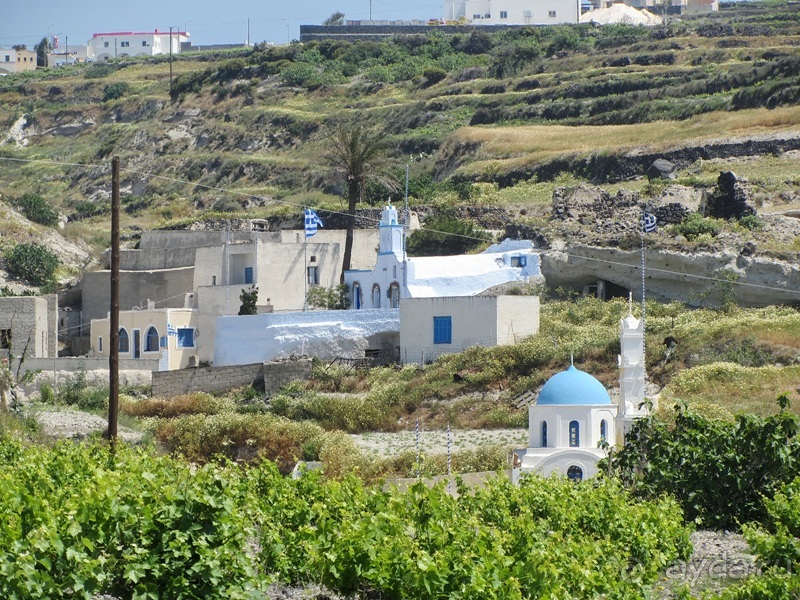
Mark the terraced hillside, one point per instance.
(487, 119)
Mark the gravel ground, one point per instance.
(435, 442)
(65, 423)
(719, 560)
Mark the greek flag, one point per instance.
(312, 222)
(650, 222)
(171, 330)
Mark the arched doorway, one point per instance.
(394, 295)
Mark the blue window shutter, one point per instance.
(164, 341)
(442, 330)
(248, 274)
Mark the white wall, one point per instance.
(476, 320)
(324, 334)
(513, 12)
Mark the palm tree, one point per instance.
(357, 154)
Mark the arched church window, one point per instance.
(544, 434)
(357, 299)
(124, 342)
(575, 473)
(603, 430)
(151, 340)
(394, 295)
(574, 434)
(376, 296)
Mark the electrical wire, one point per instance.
(373, 220)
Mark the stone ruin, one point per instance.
(730, 200)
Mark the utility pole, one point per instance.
(66, 49)
(370, 10)
(113, 354)
(170, 58)
(248, 32)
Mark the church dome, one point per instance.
(573, 387)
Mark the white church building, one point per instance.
(574, 414)
(395, 276)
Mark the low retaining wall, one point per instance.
(273, 375)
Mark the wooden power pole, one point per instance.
(113, 351)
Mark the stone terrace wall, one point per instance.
(221, 379)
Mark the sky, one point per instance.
(208, 22)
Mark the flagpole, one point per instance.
(305, 271)
(405, 236)
(644, 226)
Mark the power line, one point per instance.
(370, 219)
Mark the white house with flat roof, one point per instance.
(513, 12)
(116, 44)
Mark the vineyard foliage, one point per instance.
(721, 472)
(545, 538)
(77, 521)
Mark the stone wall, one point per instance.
(273, 375)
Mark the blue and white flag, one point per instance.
(650, 222)
(171, 330)
(312, 222)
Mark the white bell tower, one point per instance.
(631, 373)
(391, 233)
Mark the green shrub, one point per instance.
(445, 234)
(720, 472)
(32, 263)
(114, 91)
(76, 391)
(37, 209)
(751, 222)
(333, 298)
(695, 225)
(434, 75)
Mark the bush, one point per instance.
(434, 75)
(32, 263)
(334, 298)
(694, 225)
(445, 234)
(751, 222)
(114, 91)
(37, 209)
(77, 392)
(720, 472)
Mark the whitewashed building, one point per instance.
(392, 278)
(116, 44)
(16, 61)
(513, 12)
(430, 327)
(574, 415)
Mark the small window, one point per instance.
(544, 434)
(503, 14)
(313, 275)
(144, 43)
(476, 16)
(574, 434)
(519, 261)
(487, 16)
(603, 430)
(376, 296)
(186, 338)
(8, 58)
(5, 339)
(248, 274)
(100, 343)
(124, 342)
(125, 44)
(442, 330)
(163, 342)
(151, 341)
(551, 14)
(105, 44)
(357, 295)
(575, 473)
(213, 280)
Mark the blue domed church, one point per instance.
(574, 414)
